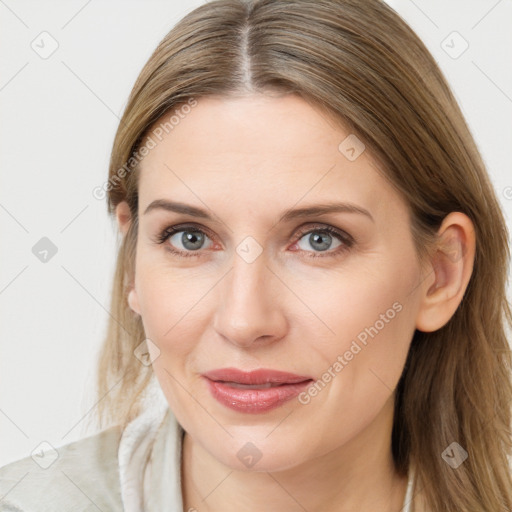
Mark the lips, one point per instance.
(254, 392)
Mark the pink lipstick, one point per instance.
(256, 391)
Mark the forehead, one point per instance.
(258, 151)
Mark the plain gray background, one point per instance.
(59, 115)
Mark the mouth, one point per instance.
(258, 391)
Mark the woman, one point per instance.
(309, 304)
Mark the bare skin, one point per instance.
(245, 161)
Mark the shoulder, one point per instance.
(84, 476)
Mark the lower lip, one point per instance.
(255, 401)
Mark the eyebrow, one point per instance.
(290, 214)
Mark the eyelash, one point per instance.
(346, 240)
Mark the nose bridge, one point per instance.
(247, 309)
(248, 281)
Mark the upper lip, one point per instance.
(255, 377)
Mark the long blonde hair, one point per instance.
(361, 63)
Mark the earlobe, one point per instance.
(123, 216)
(133, 301)
(452, 266)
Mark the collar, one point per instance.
(149, 458)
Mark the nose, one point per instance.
(250, 305)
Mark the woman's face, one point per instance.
(256, 282)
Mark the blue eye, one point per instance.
(321, 239)
(192, 240)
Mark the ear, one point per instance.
(124, 217)
(124, 220)
(133, 301)
(451, 268)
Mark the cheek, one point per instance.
(347, 303)
(366, 317)
(171, 303)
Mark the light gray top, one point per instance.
(138, 469)
(84, 477)
(135, 470)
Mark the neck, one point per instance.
(358, 475)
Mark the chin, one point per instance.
(246, 453)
